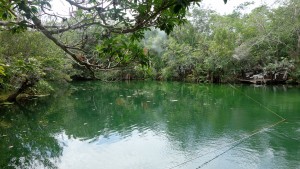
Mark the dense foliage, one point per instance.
(95, 23)
(29, 62)
(224, 48)
(152, 43)
(98, 35)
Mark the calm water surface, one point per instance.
(154, 125)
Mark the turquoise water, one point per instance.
(154, 125)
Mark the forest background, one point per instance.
(184, 42)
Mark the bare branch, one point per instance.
(82, 7)
(65, 48)
(4, 23)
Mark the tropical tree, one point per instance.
(268, 40)
(34, 61)
(109, 18)
(184, 54)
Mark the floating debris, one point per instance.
(6, 103)
(41, 95)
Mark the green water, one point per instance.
(153, 125)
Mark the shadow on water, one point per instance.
(150, 125)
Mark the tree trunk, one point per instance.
(25, 85)
(298, 48)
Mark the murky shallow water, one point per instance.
(154, 125)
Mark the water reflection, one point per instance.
(26, 141)
(151, 125)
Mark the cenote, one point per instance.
(154, 125)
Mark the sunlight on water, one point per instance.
(137, 150)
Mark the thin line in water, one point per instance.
(237, 142)
(265, 107)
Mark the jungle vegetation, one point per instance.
(161, 40)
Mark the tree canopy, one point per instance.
(97, 23)
(165, 40)
(223, 48)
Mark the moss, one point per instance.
(3, 97)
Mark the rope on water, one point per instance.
(259, 103)
(231, 146)
(237, 142)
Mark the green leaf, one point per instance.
(4, 16)
(45, 3)
(34, 9)
(2, 71)
(79, 13)
(177, 8)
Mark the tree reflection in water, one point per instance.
(171, 121)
